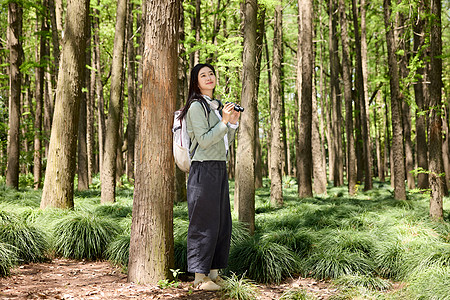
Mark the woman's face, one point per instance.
(206, 81)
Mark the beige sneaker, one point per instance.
(206, 284)
(219, 281)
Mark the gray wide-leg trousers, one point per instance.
(209, 233)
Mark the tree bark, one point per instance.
(276, 147)
(364, 105)
(336, 161)
(436, 177)
(346, 76)
(419, 93)
(151, 244)
(304, 161)
(109, 168)
(60, 172)
(15, 12)
(396, 100)
(39, 79)
(131, 126)
(245, 159)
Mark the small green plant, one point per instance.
(118, 251)
(239, 288)
(166, 283)
(296, 294)
(365, 281)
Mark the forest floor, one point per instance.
(72, 279)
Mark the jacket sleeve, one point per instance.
(204, 135)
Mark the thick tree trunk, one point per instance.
(14, 33)
(347, 79)
(151, 244)
(396, 100)
(276, 147)
(60, 172)
(109, 168)
(245, 158)
(304, 161)
(435, 130)
(364, 105)
(319, 168)
(39, 79)
(336, 160)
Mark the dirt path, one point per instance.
(70, 279)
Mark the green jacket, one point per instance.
(209, 137)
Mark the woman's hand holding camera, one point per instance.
(229, 114)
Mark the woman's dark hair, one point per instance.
(194, 90)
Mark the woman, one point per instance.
(211, 127)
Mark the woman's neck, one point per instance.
(207, 93)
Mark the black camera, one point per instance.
(237, 107)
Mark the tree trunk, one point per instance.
(180, 176)
(151, 244)
(276, 147)
(435, 130)
(245, 158)
(364, 105)
(304, 161)
(14, 33)
(131, 126)
(347, 79)
(319, 168)
(396, 100)
(60, 172)
(37, 155)
(336, 161)
(259, 52)
(109, 168)
(421, 123)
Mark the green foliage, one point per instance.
(8, 258)
(299, 241)
(262, 261)
(431, 283)
(364, 281)
(30, 242)
(84, 236)
(296, 294)
(118, 251)
(113, 210)
(239, 288)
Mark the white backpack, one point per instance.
(182, 142)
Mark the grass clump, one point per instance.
(118, 251)
(84, 236)
(8, 258)
(298, 241)
(365, 281)
(239, 288)
(431, 283)
(113, 211)
(30, 242)
(296, 294)
(262, 261)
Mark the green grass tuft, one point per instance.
(431, 283)
(296, 294)
(8, 258)
(299, 241)
(238, 288)
(262, 261)
(113, 210)
(118, 251)
(84, 236)
(365, 281)
(31, 242)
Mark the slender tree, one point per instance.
(151, 245)
(15, 12)
(436, 177)
(109, 167)
(346, 76)
(245, 158)
(276, 147)
(131, 79)
(60, 172)
(304, 161)
(396, 100)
